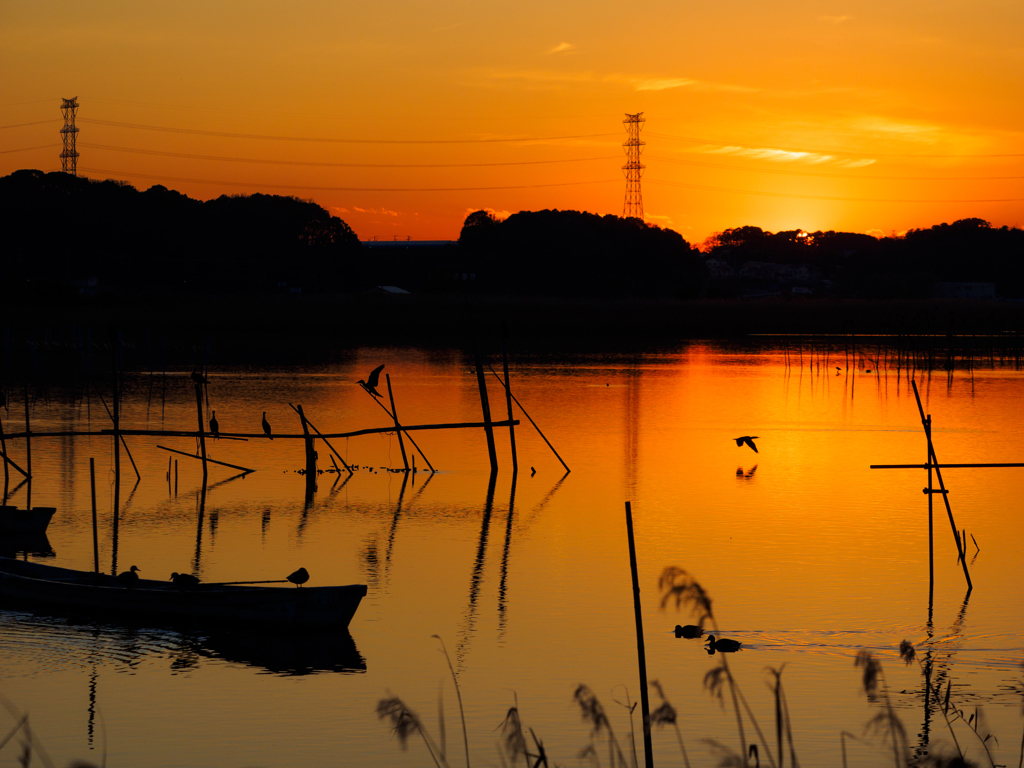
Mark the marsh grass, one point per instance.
(680, 589)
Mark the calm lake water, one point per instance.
(808, 554)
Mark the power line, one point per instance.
(26, 149)
(832, 175)
(224, 134)
(349, 189)
(823, 197)
(823, 151)
(189, 156)
(37, 122)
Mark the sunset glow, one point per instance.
(402, 117)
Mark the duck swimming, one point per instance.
(723, 644)
(689, 631)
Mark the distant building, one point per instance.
(965, 290)
(719, 269)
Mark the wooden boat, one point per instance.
(34, 584)
(35, 520)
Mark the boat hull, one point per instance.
(35, 520)
(41, 585)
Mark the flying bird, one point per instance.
(214, 426)
(129, 578)
(266, 426)
(184, 580)
(299, 578)
(371, 385)
(722, 644)
(690, 631)
(748, 439)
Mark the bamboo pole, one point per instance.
(193, 456)
(398, 427)
(7, 470)
(9, 460)
(310, 455)
(931, 531)
(486, 408)
(508, 401)
(28, 439)
(331, 447)
(95, 525)
(332, 435)
(406, 430)
(202, 433)
(645, 705)
(527, 415)
(942, 487)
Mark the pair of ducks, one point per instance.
(130, 578)
(722, 644)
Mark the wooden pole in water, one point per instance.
(175, 477)
(28, 440)
(7, 471)
(312, 426)
(539, 432)
(645, 705)
(398, 427)
(115, 416)
(95, 525)
(310, 453)
(931, 533)
(486, 406)
(933, 460)
(202, 432)
(508, 400)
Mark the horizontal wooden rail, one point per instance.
(260, 435)
(940, 466)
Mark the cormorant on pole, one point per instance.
(266, 426)
(371, 385)
(214, 426)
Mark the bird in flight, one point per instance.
(266, 426)
(371, 385)
(748, 439)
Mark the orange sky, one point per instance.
(866, 116)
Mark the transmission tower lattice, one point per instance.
(69, 156)
(633, 207)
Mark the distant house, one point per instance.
(965, 290)
(759, 270)
(719, 269)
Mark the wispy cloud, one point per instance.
(834, 19)
(655, 83)
(500, 215)
(562, 48)
(661, 221)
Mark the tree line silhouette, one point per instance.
(60, 232)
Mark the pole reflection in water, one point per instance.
(477, 576)
(502, 584)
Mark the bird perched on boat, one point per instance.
(214, 426)
(129, 578)
(266, 426)
(184, 580)
(371, 384)
(722, 644)
(748, 440)
(299, 578)
(690, 631)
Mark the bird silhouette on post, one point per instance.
(371, 384)
(748, 439)
(299, 578)
(266, 426)
(214, 426)
(129, 578)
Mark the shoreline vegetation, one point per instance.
(319, 328)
